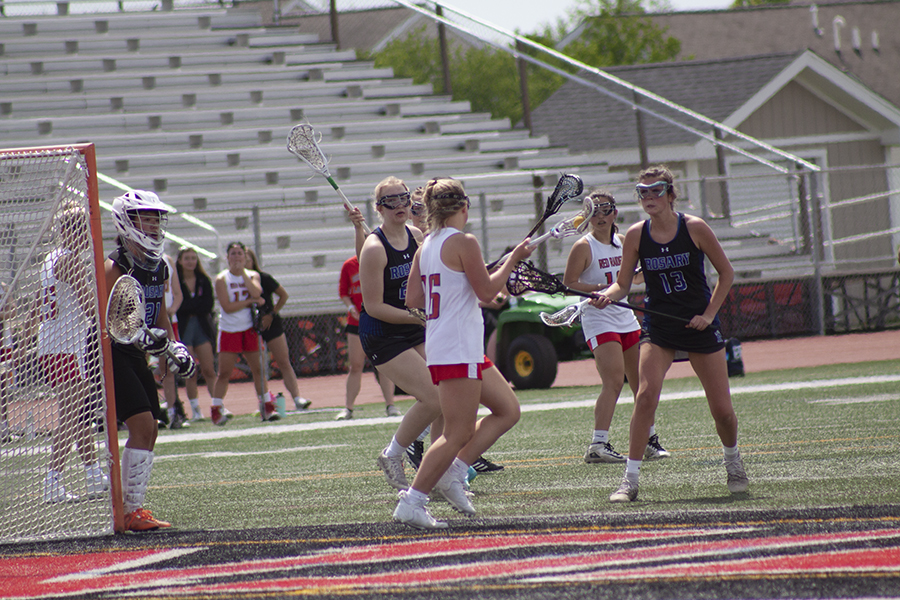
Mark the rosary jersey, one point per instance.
(375, 333)
(396, 272)
(606, 260)
(674, 274)
(154, 284)
(454, 331)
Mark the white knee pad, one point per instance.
(136, 466)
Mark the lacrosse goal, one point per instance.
(59, 453)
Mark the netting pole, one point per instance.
(112, 426)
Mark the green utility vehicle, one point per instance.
(527, 350)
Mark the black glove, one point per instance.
(152, 341)
(181, 361)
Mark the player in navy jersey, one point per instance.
(391, 337)
(671, 247)
(140, 219)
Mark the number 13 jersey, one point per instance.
(674, 274)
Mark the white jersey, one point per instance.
(604, 270)
(169, 294)
(63, 325)
(241, 320)
(454, 332)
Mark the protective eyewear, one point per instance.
(395, 201)
(652, 190)
(605, 209)
(417, 209)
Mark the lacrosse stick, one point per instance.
(566, 316)
(125, 315)
(575, 224)
(301, 142)
(568, 187)
(527, 277)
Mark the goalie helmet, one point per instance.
(141, 218)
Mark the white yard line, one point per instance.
(269, 429)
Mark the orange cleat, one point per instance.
(143, 520)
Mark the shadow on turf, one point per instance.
(713, 500)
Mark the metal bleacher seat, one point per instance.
(197, 105)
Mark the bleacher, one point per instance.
(197, 104)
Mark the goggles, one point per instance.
(605, 209)
(417, 209)
(652, 190)
(395, 201)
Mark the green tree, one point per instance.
(616, 32)
(620, 32)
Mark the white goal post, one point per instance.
(59, 458)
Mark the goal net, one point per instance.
(58, 453)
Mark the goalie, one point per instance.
(140, 220)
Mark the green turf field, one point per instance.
(810, 438)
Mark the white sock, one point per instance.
(217, 402)
(424, 434)
(601, 436)
(395, 449)
(632, 469)
(730, 453)
(416, 497)
(652, 430)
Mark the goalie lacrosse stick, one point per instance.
(568, 187)
(527, 277)
(576, 224)
(566, 316)
(125, 315)
(301, 142)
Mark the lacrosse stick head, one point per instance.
(526, 277)
(576, 224)
(302, 142)
(569, 186)
(125, 310)
(564, 317)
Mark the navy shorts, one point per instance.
(667, 333)
(383, 341)
(134, 385)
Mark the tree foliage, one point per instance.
(615, 32)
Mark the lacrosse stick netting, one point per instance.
(301, 142)
(526, 277)
(568, 187)
(125, 314)
(125, 310)
(576, 224)
(566, 316)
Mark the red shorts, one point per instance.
(239, 341)
(627, 340)
(460, 371)
(59, 368)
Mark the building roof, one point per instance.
(790, 28)
(585, 119)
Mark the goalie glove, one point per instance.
(153, 341)
(181, 361)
